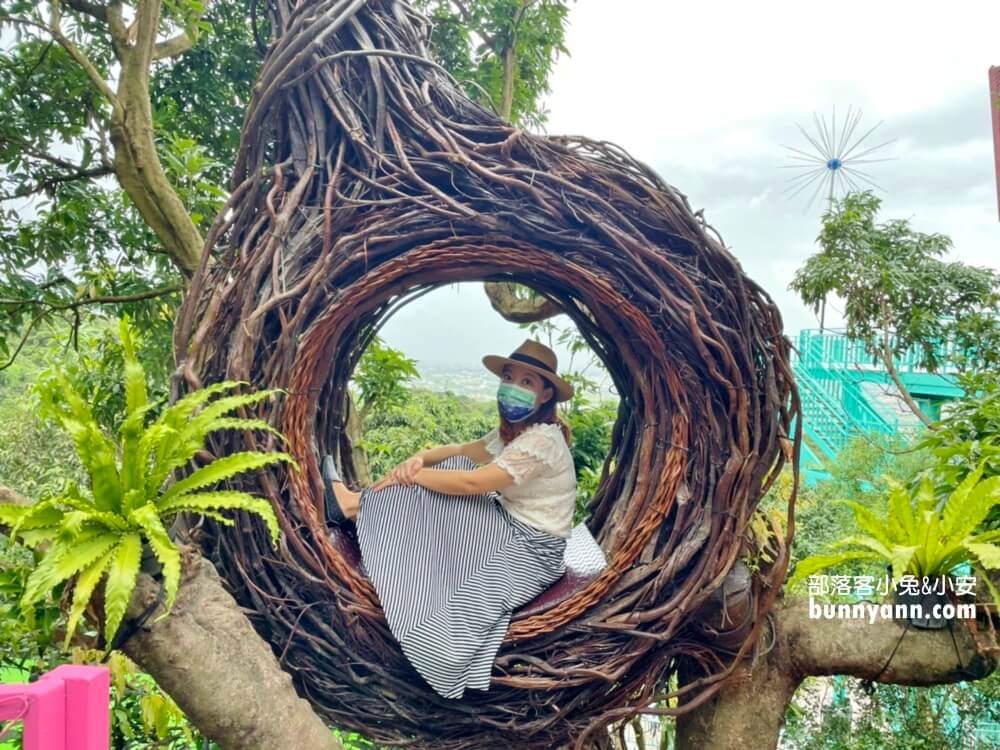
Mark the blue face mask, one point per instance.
(516, 403)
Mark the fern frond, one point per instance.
(815, 563)
(239, 423)
(199, 425)
(236, 500)
(955, 509)
(97, 453)
(222, 468)
(870, 543)
(868, 522)
(987, 554)
(165, 441)
(163, 547)
(977, 506)
(122, 572)
(62, 562)
(34, 537)
(902, 519)
(86, 582)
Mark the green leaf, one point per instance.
(62, 561)
(222, 468)
(815, 563)
(954, 511)
(86, 582)
(987, 554)
(96, 452)
(902, 519)
(163, 547)
(874, 545)
(977, 506)
(199, 502)
(122, 572)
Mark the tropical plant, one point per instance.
(969, 434)
(381, 376)
(103, 528)
(917, 537)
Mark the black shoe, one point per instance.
(334, 513)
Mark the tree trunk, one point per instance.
(354, 427)
(750, 713)
(206, 655)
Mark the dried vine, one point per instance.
(365, 178)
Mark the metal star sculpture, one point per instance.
(833, 164)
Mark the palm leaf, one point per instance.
(122, 571)
(223, 468)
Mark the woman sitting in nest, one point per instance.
(453, 550)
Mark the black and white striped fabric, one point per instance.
(449, 570)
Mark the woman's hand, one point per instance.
(404, 473)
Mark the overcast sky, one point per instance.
(708, 94)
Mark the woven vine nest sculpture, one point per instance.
(367, 177)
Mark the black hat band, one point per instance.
(529, 360)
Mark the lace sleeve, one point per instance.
(528, 455)
(492, 441)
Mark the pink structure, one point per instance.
(994, 103)
(66, 709)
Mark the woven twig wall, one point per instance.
(365, 178)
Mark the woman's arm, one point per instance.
(465, 482)
(474, 449)
(438, 453)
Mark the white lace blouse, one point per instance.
(544, 491)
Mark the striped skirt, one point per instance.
(449, 570)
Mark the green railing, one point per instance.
(829, 369)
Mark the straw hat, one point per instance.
(535, 356)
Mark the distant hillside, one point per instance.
(475, 382)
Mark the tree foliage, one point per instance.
(894, 281)
(98, 531)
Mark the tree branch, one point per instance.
(206, 655)
(81, 59)
(94, 11)
(97, 299)
(49, 182)
(890, 367)
(172, 47)
(505, 301)
(750, 713)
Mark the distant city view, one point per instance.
(474, 382)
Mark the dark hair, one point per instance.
(546, 413)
